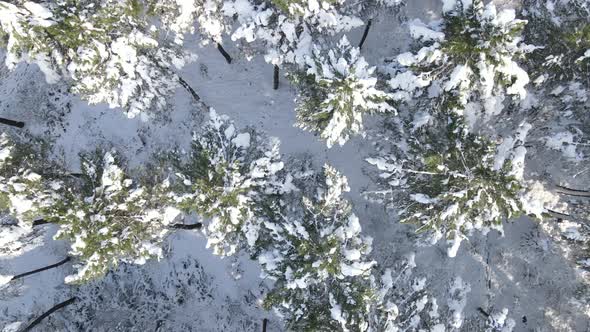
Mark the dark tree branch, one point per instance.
(185, 226)
(367, 27)
(264, 322)
(275, 82)
(22, 275)
(13, 123)
(49, 312)
(224, 53)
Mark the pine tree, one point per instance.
(319, 260)
(107, 49)
(288, 28)
(224, 177)
(107, 217)
(337, 90)
(467, 61)
(562, 34)
(23, 190)
(449, 181)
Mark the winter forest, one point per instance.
(295, 165)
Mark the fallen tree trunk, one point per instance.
(366, 33)
(22, 275)
(275, 81)
(572, 192)
(12, 123)
(185, 226)
(49, 312)
(224, 53)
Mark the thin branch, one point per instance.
(49, 312)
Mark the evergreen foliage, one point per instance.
(107, 217)
(467, 60)
(107, 49)
(318, 259)
(225, 177)
(341, 87)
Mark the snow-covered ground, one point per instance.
(524, 271)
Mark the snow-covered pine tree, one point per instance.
(107, 216)
(23, 189)
(288, 28)
(318, 259)
(337, 89)
(107, 49)
(467, 60)
(402, 300)
(205, 16)
(449, 181)
(562, 32)
(224, 177)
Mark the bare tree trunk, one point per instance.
(185, 226)
(40, 222)
(572, 192)
(224, 53)
(264, 321)
(13, 123)
(49, 312)
(193, 93)
(22, 275)
(275, 82)
(367, 27)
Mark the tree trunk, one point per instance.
(572, 192)
(188, 88)
(264, 321)
(185, 226)
(22, 275)
(224, 53)
(40, 222)
(275, 82)
(49, 312)
(13, 123)
(365, 33)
